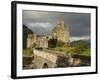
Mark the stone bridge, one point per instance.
(50, 59)
(43, 59)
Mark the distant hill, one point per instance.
(85, 42)
(82, 47)
(26, 31)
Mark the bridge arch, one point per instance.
(45, 65)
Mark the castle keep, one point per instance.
(61, 32)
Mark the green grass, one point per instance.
(60, 49)
(87, 52)
(27, 52)
(64, 49)
(72, 50)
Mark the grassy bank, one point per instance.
(27, 52)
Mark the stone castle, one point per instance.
(60, 33)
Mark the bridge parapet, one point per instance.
(45, 55)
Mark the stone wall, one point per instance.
(42, 41)
(30, 40)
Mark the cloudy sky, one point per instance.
(42, 22)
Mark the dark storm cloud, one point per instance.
(44, 22)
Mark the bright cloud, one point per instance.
(40, 24)
(79, 38)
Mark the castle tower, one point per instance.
(30, 40)
(62, 23)
(61, 32)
